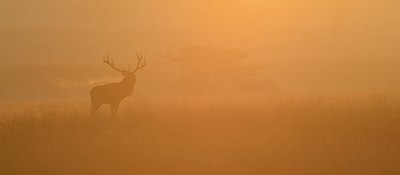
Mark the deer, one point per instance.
(114, 93)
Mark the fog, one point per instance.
(56, 47)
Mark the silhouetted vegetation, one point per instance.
(215, 135)
(47, 81)
(209, 69)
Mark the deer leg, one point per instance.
(114, 109)
(95, 107)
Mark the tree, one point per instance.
(207, 69)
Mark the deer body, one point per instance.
(114, 93)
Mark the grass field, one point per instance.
(305, 134)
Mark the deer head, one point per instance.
(141, 62)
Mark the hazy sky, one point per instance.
(86, 29)
(348, 39)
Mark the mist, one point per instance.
(295, 46)
(200, 87)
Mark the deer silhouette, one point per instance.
(114, 93)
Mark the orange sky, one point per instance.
(65, 30)
(286, 38)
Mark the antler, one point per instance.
(140, 63)
(111, 64)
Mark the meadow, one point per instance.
(248, 134)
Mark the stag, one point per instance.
(114, 93)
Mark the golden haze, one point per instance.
(231, 87)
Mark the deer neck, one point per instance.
(128, 85)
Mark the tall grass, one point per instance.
(308, 134)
